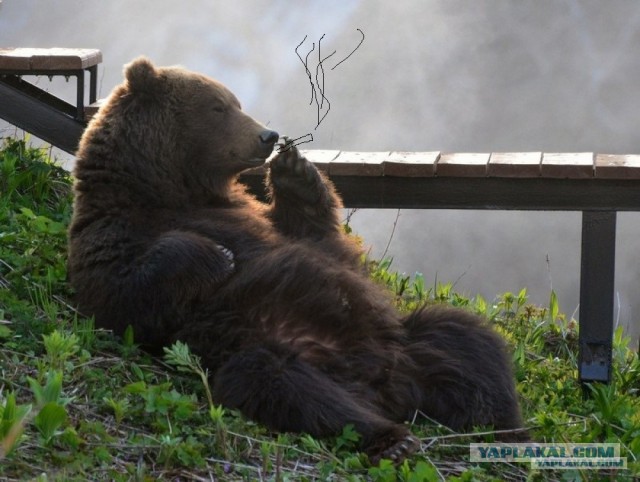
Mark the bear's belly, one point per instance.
(297, 295)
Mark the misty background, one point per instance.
(447, 75)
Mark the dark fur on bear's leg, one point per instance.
(465, 371)
(271, 385)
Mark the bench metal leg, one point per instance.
(597, 295)
(93, 83)
(80, 95)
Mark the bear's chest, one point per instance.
(245, 233)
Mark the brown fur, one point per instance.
(293, 332)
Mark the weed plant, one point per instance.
(78, 404)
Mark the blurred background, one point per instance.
(447, 75)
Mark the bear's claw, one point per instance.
(397, 451)
(229, 254)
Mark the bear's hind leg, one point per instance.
(464, 371)
(271, 385)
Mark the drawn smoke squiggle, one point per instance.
(318, 87)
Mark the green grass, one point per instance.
(79, 404)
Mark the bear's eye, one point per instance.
(219, 109)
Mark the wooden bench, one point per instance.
(597, 185)
(35, 110)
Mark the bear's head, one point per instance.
(176, 126)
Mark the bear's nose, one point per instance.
(269, 137)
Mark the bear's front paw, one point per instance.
(293, 175)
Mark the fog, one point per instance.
(448, 75)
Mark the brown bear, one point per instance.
(273, 298)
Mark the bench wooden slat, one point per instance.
(569, 165)
(321, 158)
(358, 164)
(411, 164)
(514, 164)
(463, 164)
(26, 59)
(609, 166)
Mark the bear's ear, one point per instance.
(141, 75)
